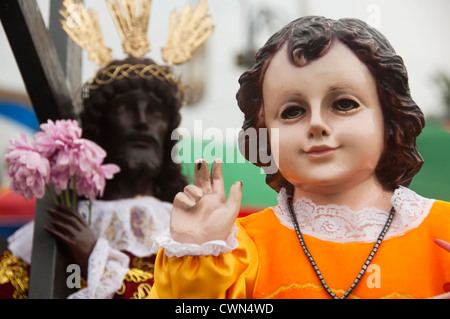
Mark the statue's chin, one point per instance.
(139, 161)
(149, 169)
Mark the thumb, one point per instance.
(234, 198)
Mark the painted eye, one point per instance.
(292, 112)
(121, 109)
(345, 105)
(158, 115)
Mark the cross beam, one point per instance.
(47, 88)
(37, 59)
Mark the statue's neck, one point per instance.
(129, 184)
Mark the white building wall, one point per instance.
(417, 29)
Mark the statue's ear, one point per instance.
(261, 119)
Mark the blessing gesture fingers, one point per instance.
(201, 213)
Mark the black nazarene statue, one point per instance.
(130, 109)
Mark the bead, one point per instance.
(316, 268)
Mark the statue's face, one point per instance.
(331, 128)
(135, 129)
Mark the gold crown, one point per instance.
(111, 73)
(188, 30)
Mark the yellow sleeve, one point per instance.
(231, 275)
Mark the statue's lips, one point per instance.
(316, 152)
(142, 140)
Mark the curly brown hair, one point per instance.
(308, 38)
(170, 180)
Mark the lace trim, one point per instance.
(173, 248)
(343, 225)
(123, 225)
(107, 268)
(21, 242)
(129, 224)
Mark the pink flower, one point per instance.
(29, 171)
(90, 155)
(92, 183)
(69, 155)
(109, 170)
(55, 136)
(59, 141)
(58, 157)
(90, 174)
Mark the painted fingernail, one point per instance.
(242, 184)
(199, 165)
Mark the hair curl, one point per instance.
(308, 38)
(170, 180)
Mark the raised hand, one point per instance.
(201, 213)
(72, 231)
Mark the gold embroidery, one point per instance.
(14, 270)
(137, 276)
(122, 289)
(144, 265)
(114, 232)
(143, 291)
(137, 225)
(338, 292)
(110, 232)
(397, 295)
(308, 286)
(83, 283)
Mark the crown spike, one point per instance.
(132, 26)
(188, 30)
(146, 13)
(84, 29)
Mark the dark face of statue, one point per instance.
(136, 126)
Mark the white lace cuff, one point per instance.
(21, 242)
(107, 269)
(173, 248)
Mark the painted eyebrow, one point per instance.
(342, 86)
(345, 86)
(128, 97)
(332, 88)
(299, 94)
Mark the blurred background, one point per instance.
(418, 30)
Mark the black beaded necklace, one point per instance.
(314, 265)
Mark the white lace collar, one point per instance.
(129, 224)
(341, 224)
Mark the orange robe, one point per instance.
(270, 263)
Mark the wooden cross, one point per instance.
(46, 72)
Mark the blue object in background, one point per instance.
(19, 113)
(23, 118)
